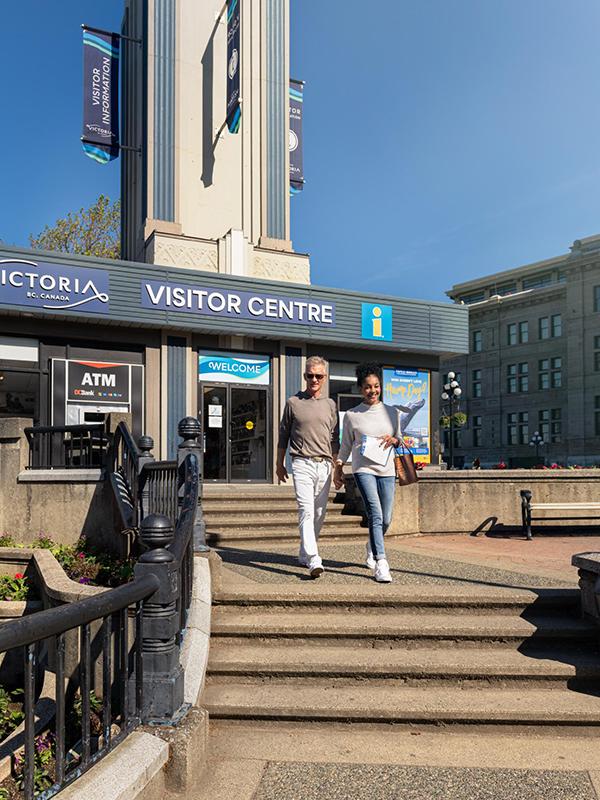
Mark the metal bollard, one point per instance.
(189, 430)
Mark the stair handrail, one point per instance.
(124, 461)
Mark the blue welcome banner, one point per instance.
(234, 369)
(100, 137)
(234, 112)
(296, 157)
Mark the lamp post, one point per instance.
(451, 399)
(536, 441)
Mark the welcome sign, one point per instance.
(236, 305)
(221, 368)
(53, 286)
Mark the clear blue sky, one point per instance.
(443, 140)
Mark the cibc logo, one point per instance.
(53, 286)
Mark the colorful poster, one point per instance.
(410, 389)
(234, 111)
(296, 157)
(100, 137)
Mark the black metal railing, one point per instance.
(120, 666)
(159, 483)
(67, 446)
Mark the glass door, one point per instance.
(235, 422)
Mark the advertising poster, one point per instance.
(410, 389)
(100, 135)
(296, 157)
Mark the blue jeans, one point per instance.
(378, 495)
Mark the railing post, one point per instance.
(162, 671)
(189, 430)
(145, 445)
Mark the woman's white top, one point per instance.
(366, 420)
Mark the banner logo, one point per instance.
(377, 322)
(53, 287)
(100, 136)
(234, 111)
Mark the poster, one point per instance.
(411, 390)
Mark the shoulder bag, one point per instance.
(405, 465)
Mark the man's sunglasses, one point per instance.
(310, 376)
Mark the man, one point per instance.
(310, 426)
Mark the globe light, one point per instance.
(445, 396)
(451, 376)
(454, 384)
(457, 391)
(447, 387)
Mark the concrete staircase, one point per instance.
(236, 514)
(403, 655)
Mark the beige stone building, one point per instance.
(533, 362)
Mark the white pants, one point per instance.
(312, 480)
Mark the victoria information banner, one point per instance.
(296, 159)
(100, 137)
(234, 111)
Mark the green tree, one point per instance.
(93, 231)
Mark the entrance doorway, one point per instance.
(235, 433)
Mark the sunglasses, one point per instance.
(311, 377)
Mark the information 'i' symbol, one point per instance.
(377, 322)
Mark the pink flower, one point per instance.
(19, 575)
(81, 555)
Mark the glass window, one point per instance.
(507, 288)
(544, 373)
(477, 297)
(556, 325)
(544, 424)
(556, 372)
(544, 327)
(523, 332)
(555, 425)
(511, 333)
(523, 427)
(537, 281)
(597, 415)
(523, 377)
(511, 378)
(476, 424)
(18, 393)
(596, 298)
(511, 428)
(597, 353)
(477, 341)
(476, 383)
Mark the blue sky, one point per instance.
(443, 140)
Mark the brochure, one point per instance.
(373, 449)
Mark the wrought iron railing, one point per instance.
(67, 446)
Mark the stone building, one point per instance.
(533, 362)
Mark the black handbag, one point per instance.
(405, 465)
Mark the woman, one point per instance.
(371, 431)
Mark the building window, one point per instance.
(523, 377)
(476, 383)
(523, 427)
(538, 281)
(544, 373)
(596, 353)
(544, 424)
(596, 298)
(511, 378)
(523, 332)
(467, 299)
(556, 325)
(476, 431)
(555, 426)
(597, 415)
(544, 327)
(556, 372)
(511, 333)
(477, 341)
(511, 428)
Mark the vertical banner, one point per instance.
(100, 137)
(409, 389)
(296, 159)
(234, 111)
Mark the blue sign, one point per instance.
(234, 111)
(100, 137)
(236, 368)
(53, 287)
(376, 322)
(213, 302)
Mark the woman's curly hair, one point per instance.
(369, 368)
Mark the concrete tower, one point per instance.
(196, 195)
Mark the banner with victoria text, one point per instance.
(234, 112)
(100, 136)
(296, 157)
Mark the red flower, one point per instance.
(19, 575)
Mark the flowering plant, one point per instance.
(419, 464)
(13, 588)
(500, 465)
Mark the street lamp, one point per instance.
(537, 441)
(451, 399)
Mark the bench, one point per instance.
(527, 507)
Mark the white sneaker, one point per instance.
(315, 565)
(381, 573)
(303, 560)
(370, 562)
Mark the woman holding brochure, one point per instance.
(371, 432)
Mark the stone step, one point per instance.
(268, 520)
(247, 508)
(349, 665)
(340, 627)
(312, 596)
(216, 536)
(247, 699)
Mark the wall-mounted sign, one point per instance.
(377, 322)
(97, 382)
(53, 286)
(236, 305)
(230, 368)
(410, 389)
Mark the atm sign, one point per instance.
(98, 382)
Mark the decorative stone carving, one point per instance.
(281, 267)
(185, 253)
